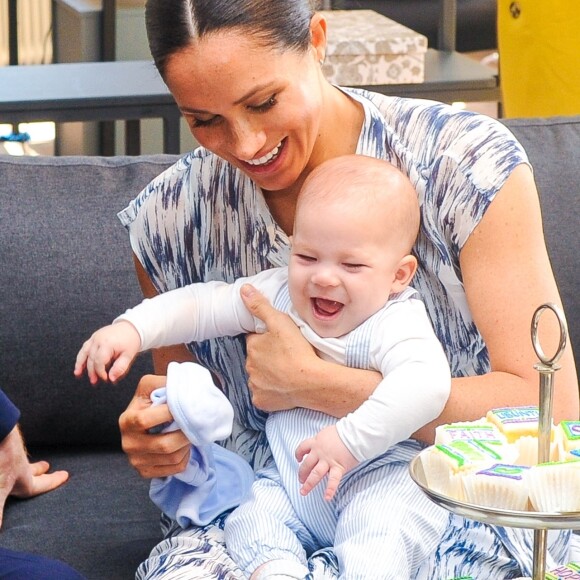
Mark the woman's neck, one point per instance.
(341, 125)
(282, 206)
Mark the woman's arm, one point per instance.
(507, 275)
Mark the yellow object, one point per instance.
(539, 57)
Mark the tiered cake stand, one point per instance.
(540, 522)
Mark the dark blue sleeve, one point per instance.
(9, 415)
(18, 565)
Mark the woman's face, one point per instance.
(251, 104)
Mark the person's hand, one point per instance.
(152, 455)
(19, 477)
(278, 359)
(117, 343)
(321, 455)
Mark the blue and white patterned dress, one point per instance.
(203, 219)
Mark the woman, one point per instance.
(246, 75)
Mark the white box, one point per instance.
(367, 48)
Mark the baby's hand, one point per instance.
(117, 343)
(321, 455)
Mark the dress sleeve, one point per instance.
(476, 157)
(200, 220)
(160, 224)
(457, 160)
(9, 415)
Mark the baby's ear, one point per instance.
(404, 273)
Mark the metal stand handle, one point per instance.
(546, 367)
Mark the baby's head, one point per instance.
(356, 221)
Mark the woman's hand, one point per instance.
(277, 360)
(285, 371)
(152, 455)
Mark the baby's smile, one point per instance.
(324, 308)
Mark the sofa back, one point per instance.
(66, 270)
(553, 146)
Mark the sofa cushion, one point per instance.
(101, 522)
(66, 270)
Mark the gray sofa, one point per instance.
(65, 269)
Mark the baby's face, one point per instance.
(340, 271)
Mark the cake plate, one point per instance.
(540, 522)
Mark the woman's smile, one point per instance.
(265, 119)
(269, 164)
(266, 158)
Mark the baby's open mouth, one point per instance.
(326, 308)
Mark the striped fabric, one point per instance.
(202, 220)
(374, 521)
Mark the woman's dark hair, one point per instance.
(174, 24)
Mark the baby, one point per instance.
(347, 289)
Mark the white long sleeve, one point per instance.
(415, 387)
(200, 311)
(416, 377)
